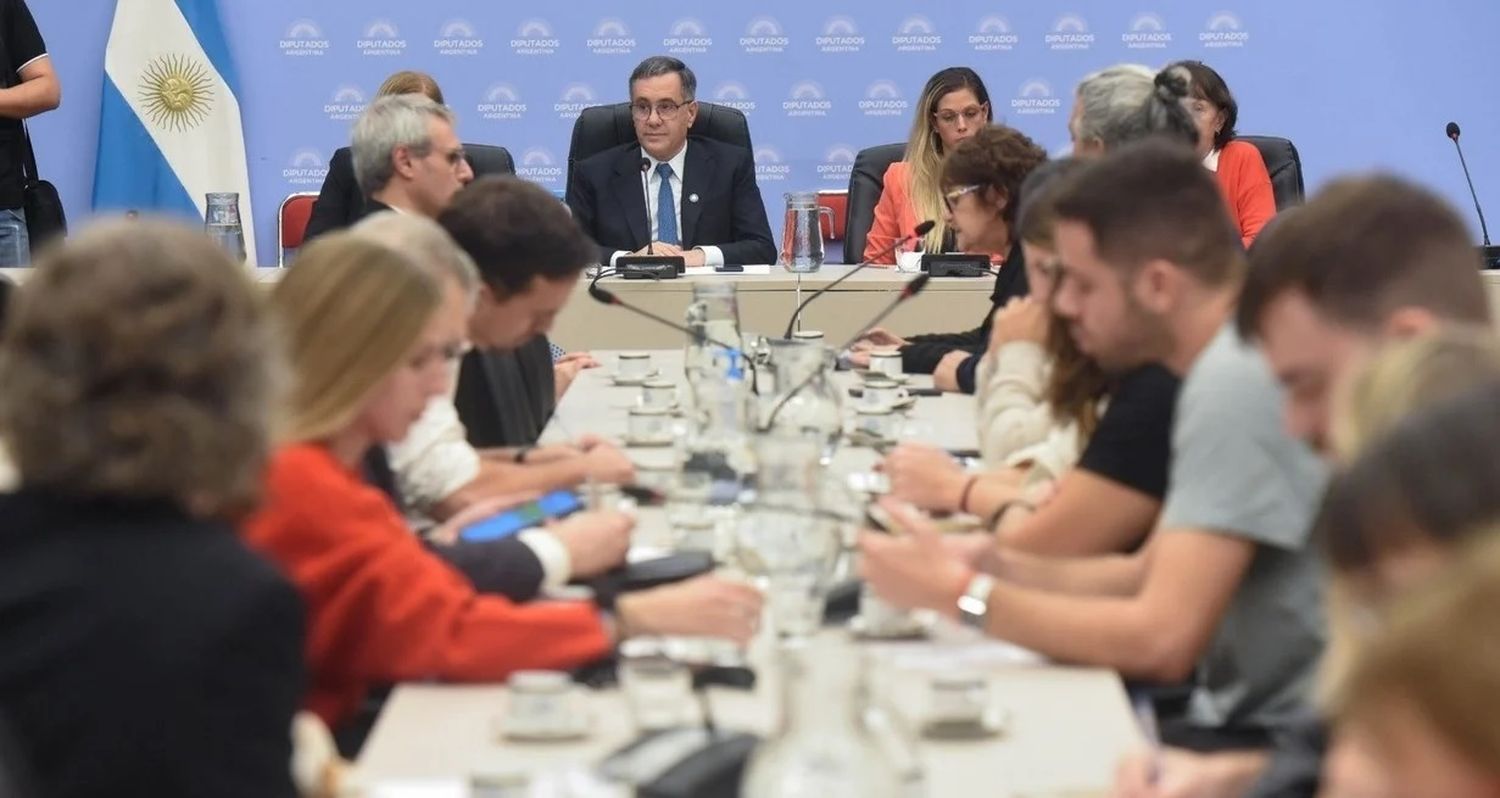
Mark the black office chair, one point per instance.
(488, 159)
(1285, 166)
(866, 183)
(601, 127)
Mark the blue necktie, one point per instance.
(666, 209)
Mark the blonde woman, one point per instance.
(368, 351)
(145, 650)
(1422, 695)
(954, 106)
(1416, 428)
(340, 202)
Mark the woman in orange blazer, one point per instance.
(954, 106)
(368, 349)
(1238, 166)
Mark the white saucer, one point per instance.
(914, 629)
(614, 377)
(899, 379)
(578, 728)
(992, 722)
(647, 443)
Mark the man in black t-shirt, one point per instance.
(30, 88)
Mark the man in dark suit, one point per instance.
(701, 199)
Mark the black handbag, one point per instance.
(44, 209)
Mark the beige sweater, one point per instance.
(1016, 425)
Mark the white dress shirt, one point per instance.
(435, 459)
(712, 256)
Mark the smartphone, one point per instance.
(557, 504)
(729, 268)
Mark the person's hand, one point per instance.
(925, 476)
(447, 532)
(945, 375)
(706, 606)
(693, 257)
(658, 248)
(607, 463)
(1022, 319)
(596, 541)
(974, 549)
(911, 568)
(1178, 773)
(859, 358)
(589, 361)
(1352, 769)
(880, 336)
(551, 453)
(588, 441)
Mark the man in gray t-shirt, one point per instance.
(1226, 588)
(1236, 472)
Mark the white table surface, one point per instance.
(1067, 726)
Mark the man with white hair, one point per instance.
(407, 155)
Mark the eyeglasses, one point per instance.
(666, 109)
(951, 198)
(971, 115)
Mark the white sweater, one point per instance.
(1016, 425)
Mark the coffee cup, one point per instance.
(958, 697)
(808, 335)
(886, 360)
(649, 425)
(659, 394)
(633, 366)
(882, 392)
(543, 703)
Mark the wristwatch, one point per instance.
(974, 604)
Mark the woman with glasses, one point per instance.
(366, 343)
(1051, 422)
(1236, 164)
(954, 106)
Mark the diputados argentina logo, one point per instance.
(347, 104)
(304, 38)
(575, 98)
(840, 35)
(538, 166)
(838, 164)
(534, 37)
(306, 168)
(764, 35)
(1070, 32)
(688, 37)
(916, 35)
(1147, 32)
(883, 98)
(381, 39)
(501, 102)
(736, 96)
(994, 35)
(1224, 30)
(806, 99)
(768, 166)
(1035, 97)
(458, 38)
(611, 37)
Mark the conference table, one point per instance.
(1064, 731)
(767, 297)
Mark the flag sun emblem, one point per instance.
(177, 92)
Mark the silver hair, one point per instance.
(1109, 103)
(398, 120)
(657, 65)
(425, 242)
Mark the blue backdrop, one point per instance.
(1357, 85)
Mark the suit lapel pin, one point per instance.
(692, 198)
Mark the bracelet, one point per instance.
(963, 498)
(520, 456)
(995, 517)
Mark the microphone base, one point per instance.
(956, 265)
(650, 267)
(1490, 256)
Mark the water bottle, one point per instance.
(222, 223)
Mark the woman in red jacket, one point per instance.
(954, 106)
(1241, 171)
(368, 350)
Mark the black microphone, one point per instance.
(921, 230)
(608, 297)
(646, 194)
(910, 290)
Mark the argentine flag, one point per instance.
(169, 130)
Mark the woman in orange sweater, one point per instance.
(368, 350)
(1241, 171)
(954, 106)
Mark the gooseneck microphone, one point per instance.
(646, 194)
(921, 230)
(910, 290)
(608, 297)
(1488, 253)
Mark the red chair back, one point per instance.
(835, 200)
(291, 222)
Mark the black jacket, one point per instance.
(922, 352)
(506, 398)
(340, 203)
(144, 652)
(607, 200)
